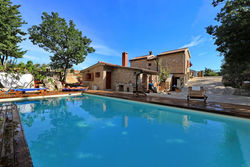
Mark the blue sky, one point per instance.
(134, 26)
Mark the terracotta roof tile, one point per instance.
(139, 57)
(148, 57)
(173, 51)
(114, 65)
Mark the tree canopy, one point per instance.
(10, 31)
(62, 39)
(232, 37)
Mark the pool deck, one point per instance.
(13, 146)
(212, 107)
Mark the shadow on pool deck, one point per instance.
(212, 107)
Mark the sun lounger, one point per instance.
(43, 91)
(196, 94)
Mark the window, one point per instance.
(149, 64)
(89, 77)
(97, 74)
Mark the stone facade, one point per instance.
(105, 76)
(176, 62)
(92, 80)
(122, 78)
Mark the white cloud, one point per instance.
(105, 50)
(30, 57)
(194, 42)
(27, 45)
(206, 14)
(202, 53)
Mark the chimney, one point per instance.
(150, 53)
(125, 59)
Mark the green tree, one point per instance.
(63, 40)
(232, 37)
(163, 72)
(10, 32)
(210, 72)
(163, 75)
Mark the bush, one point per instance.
(210, 72)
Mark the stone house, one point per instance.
(177, 62)
(106, 76)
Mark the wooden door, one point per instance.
(108, 80)
(144, 81)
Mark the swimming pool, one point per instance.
(95, 131)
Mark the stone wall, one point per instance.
(100, 81)
(175, 63)
(153, 65)
(122, 76)
(144, 63)
(141, 63)
(122, 79)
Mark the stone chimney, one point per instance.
(150, 53)
(125, 59)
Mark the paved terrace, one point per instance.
(14, 150)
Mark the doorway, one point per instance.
(144, 81)
(108, 80)
(174, 82)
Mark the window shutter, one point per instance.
(86, 79)
(92, 76)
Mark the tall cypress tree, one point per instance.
(10, 31)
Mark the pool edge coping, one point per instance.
(197, 108)
(6, 100)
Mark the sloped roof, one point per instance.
(118, 66)
(151, 57)
(139, 57)
(174, 51)
(148, 57)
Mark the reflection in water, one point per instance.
(85, 131)
(26, 108)
(125, 121)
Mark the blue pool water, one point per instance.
(94, 131)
